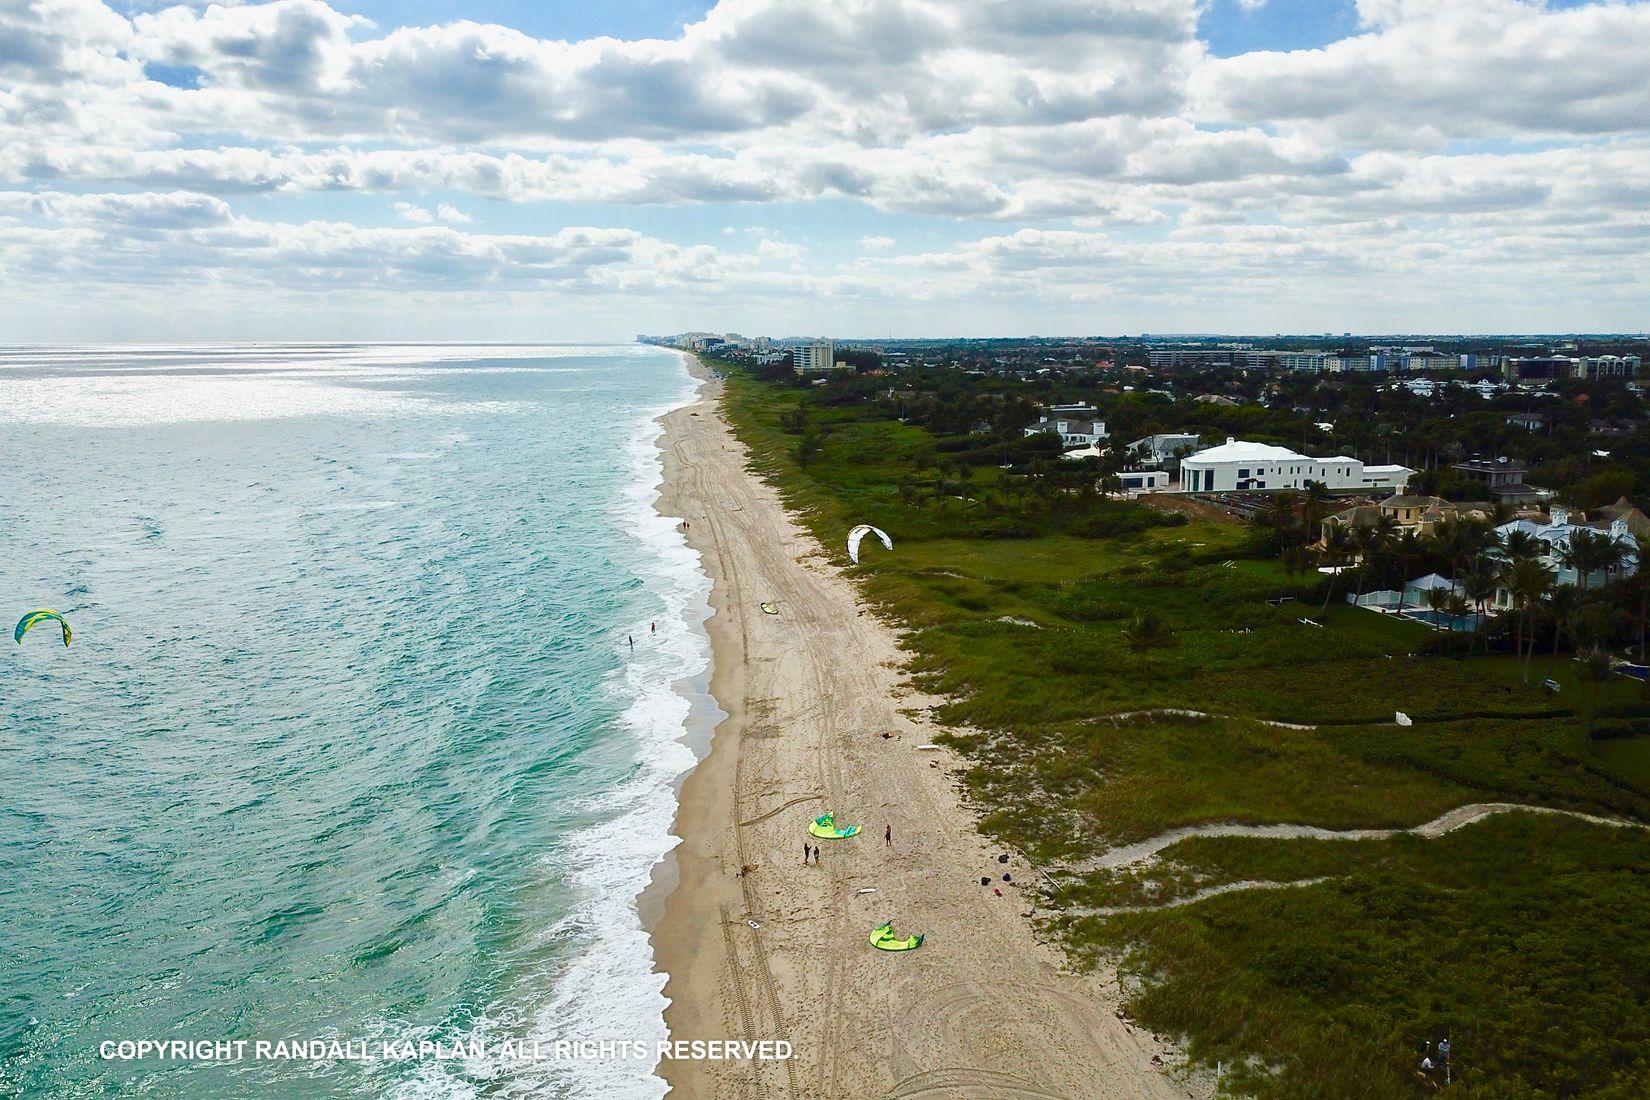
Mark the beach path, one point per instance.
(780, 951)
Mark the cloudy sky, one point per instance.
(571, 169)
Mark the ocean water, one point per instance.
(350, 743)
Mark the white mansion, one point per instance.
(1239, 466)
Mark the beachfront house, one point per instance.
(1238, 466)
(1554, 532)
(1164, 449)
(1073, 433)
(1420, 514)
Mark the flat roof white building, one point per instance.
(814, 357)
(1239, 466)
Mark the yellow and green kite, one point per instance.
(825, 828)
(40, 615)
(883, 939)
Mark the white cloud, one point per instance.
(1121, 160)
(411, 212)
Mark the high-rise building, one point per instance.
(814, 357)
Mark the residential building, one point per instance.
(1310, 362)
(1555, 531)
(1241, 466)
(1420, 514)
(1529, 421)
(1504, 478)
(1144, 481)
(814, 357)
(1161, 358)
(1594, 367)
(1073, 433)
(1164, 449)
(1531, 367)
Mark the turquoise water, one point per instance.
(350, 742)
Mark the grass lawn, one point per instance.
(1627, 758)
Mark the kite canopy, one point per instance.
(824, 827)
(40, 615)
(857, 535)
(883, 939)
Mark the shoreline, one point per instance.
(705, 712)
(753, 944)
(673, 908)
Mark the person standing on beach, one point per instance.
(888, 834)
(807, 852)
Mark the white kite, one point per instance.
(858, 534)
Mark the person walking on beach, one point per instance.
(888, 834)
(807, 851)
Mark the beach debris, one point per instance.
(1403, 719)
(929, 747)
(857, 535)
(866, 890)
(1003, 858)
(37, 616)
(883, 939)
(769, 609)
(755, 927)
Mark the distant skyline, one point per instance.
(497, 170)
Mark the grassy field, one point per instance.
(1023, 614)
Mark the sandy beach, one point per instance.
(758, 945)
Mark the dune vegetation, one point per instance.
(1111, 670)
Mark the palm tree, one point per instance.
(1528, 581)
(1146, 630)
(1315, 503)
(1592, 669)
(1438, 602)
(1407, 547)
(1279, 517)
(1297, 559)
(1456, 606)
(1337, 547)
(1589, 552)
(1561, 607)
(1479, 583)
(1367, 542)
(1517, 545)
(1461, 540)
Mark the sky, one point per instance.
(569, 171)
